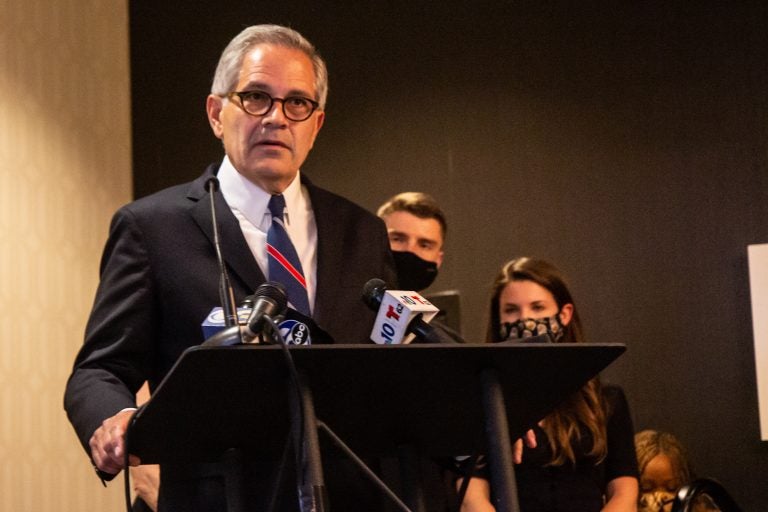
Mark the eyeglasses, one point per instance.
(258, 103)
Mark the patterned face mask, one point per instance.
(528, 327)
(657, 501)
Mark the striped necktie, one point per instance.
(284, 264)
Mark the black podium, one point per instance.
(444, 399)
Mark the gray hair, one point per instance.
(231, 61)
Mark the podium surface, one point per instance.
(375, 397)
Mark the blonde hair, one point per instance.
(650, 443)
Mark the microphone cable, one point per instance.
(293, 374)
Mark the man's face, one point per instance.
(410, 233)
(268, 149)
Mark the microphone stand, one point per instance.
(226, 295)
(312, 493)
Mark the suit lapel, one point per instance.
(234, 249)
(329, 262)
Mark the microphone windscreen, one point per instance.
(274, 291)
(373, 290)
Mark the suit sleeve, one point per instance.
(352, 249)
(114, 359)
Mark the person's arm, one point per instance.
(621, 495)
(146, 483)
(112, 364)
(622, 489)
(108, 443)
(477, 497)
(478, 494)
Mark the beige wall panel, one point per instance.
(65, 166)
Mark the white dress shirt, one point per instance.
(248, 203)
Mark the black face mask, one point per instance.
(413, 273)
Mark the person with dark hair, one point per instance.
(160, 275)
(584, 457)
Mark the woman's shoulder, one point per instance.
(613, 398)
(612, 391)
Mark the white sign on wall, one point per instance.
(758, 286)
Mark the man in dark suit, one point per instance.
(159, 273)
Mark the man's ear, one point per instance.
(566, 313)
(213, 106)
(319, 119)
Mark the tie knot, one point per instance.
(276, 206)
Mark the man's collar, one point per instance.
(250, 199)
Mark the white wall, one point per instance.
(758, 287)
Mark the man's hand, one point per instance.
(108, 443)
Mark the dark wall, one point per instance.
(626, 143)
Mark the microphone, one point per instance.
(400, 315)
(269, 302)
(299, 329)
(247, 303)
(296, 328)
(215, 322)
(226, 295)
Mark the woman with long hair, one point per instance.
(584, 458)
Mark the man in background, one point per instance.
(416, 227)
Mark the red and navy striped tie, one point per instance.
(284, 264)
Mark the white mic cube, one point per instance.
(398, 308)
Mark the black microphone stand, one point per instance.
(226, 295)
